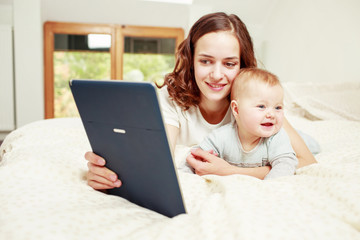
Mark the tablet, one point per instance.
(124, 125)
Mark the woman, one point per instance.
(196, 97)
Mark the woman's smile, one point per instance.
(216, 86)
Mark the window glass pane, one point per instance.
(150, 45)
(90, 42)
(73, 59)
(147, 67)
(148, 59)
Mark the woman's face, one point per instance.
(216, 64)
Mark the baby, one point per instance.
(256, 138)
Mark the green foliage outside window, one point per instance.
(76, 65)
(97, 65)
(152, 66)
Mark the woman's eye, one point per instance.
(205, 61)
(230, 64)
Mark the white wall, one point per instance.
(7, 114)
(131, 12)
(6, 14)
(314, 40)
(28, 56)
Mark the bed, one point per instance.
(44, 194)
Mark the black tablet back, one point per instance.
(124, 125)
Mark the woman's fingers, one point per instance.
(201, 155)
(96, 166)
(99, 182)
(191, 160)
(198, 165)
(205, 162)
(99, 177)
(94, 159)
(199, 160)
(98, 186)
(102, 173)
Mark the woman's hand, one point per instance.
(99, 177)
(205, 162)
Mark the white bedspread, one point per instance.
(43, 193)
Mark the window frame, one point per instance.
(118, 34)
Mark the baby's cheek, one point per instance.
(280, 119)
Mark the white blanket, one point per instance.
(44, 195)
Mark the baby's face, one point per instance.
(261, 109)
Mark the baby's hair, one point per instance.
(247, 75)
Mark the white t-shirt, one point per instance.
(192, 125)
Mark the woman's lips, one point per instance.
(216, 87)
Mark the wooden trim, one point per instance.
(80, 28)
(143, 31)
(117, 32)
(155, 32)
(113, 55)
(51, 28)
(119, 45)
(48, 71)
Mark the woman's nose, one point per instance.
(217, 73)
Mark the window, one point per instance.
(101, 51)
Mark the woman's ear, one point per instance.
(234, 108)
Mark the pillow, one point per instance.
(323, 101)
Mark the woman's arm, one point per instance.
(205, 163)
(302, 152)
(172, 133)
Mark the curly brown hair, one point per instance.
(181, 83)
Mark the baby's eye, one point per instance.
(278, 108)
(261, 106)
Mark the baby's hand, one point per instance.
(213, 152)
